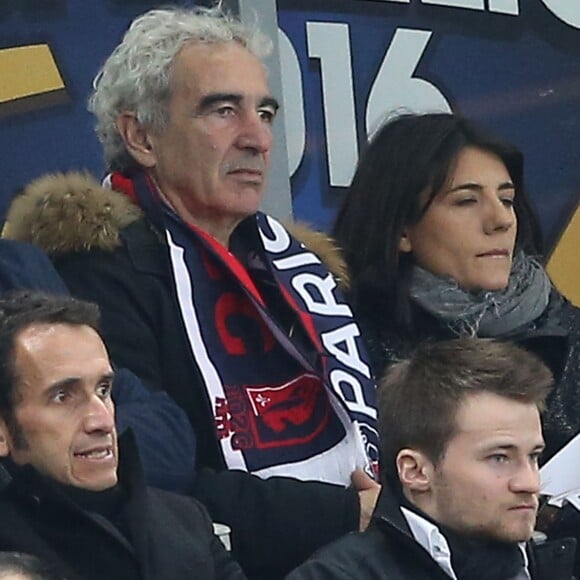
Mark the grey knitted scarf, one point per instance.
(485, 313)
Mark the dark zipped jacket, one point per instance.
(387, 550)
(155, 535)
(554, 336)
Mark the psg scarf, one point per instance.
(304, 407)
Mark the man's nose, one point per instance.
(526, 479)
(100, 416)
(255, 134)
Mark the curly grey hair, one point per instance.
(136, 76)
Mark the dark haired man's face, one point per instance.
(487, 483)
(62, 420)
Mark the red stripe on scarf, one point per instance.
(124, 185)
(236, 267)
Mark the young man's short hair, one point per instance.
(419, 397)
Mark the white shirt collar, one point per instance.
(428, 535)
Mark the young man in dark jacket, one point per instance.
(69, 493)
(461, 439)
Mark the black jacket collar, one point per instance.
(27, 478)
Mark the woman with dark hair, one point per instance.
(440, 241)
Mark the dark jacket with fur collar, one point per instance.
(106, 252)
(161, 535)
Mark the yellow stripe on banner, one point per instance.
(564, 264)
(27, 71)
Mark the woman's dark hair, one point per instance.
(408, 160)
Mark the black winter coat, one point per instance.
(387, 550)
(276, 523)
(159, 536)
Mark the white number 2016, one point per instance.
(395, 87)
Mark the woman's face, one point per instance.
(469, 230)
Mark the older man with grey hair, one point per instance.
(208, 298)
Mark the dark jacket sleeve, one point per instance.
(279, 522)
(354, 556)
(23, 266)
(552, 560)
(226, 568)
(188, 517)
(164, 435)
(317, 569)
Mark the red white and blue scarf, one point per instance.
(301, 408)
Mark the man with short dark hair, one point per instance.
(164, 436)
(70, 493)
(461, 438)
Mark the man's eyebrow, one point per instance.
(500, 447)
(510, 447)
(73, 382)
(212, 99)
(270, 102)
(68, 383)
(208, 101)
(107, 377)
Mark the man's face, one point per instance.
(211, 161)
(63, 418)
(487, 483)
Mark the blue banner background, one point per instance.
(520, 75)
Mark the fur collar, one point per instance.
(72, 212)
(69, 213)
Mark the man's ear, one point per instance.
(415, 470)
(4, 439)
(405, 245)
(137, 139)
